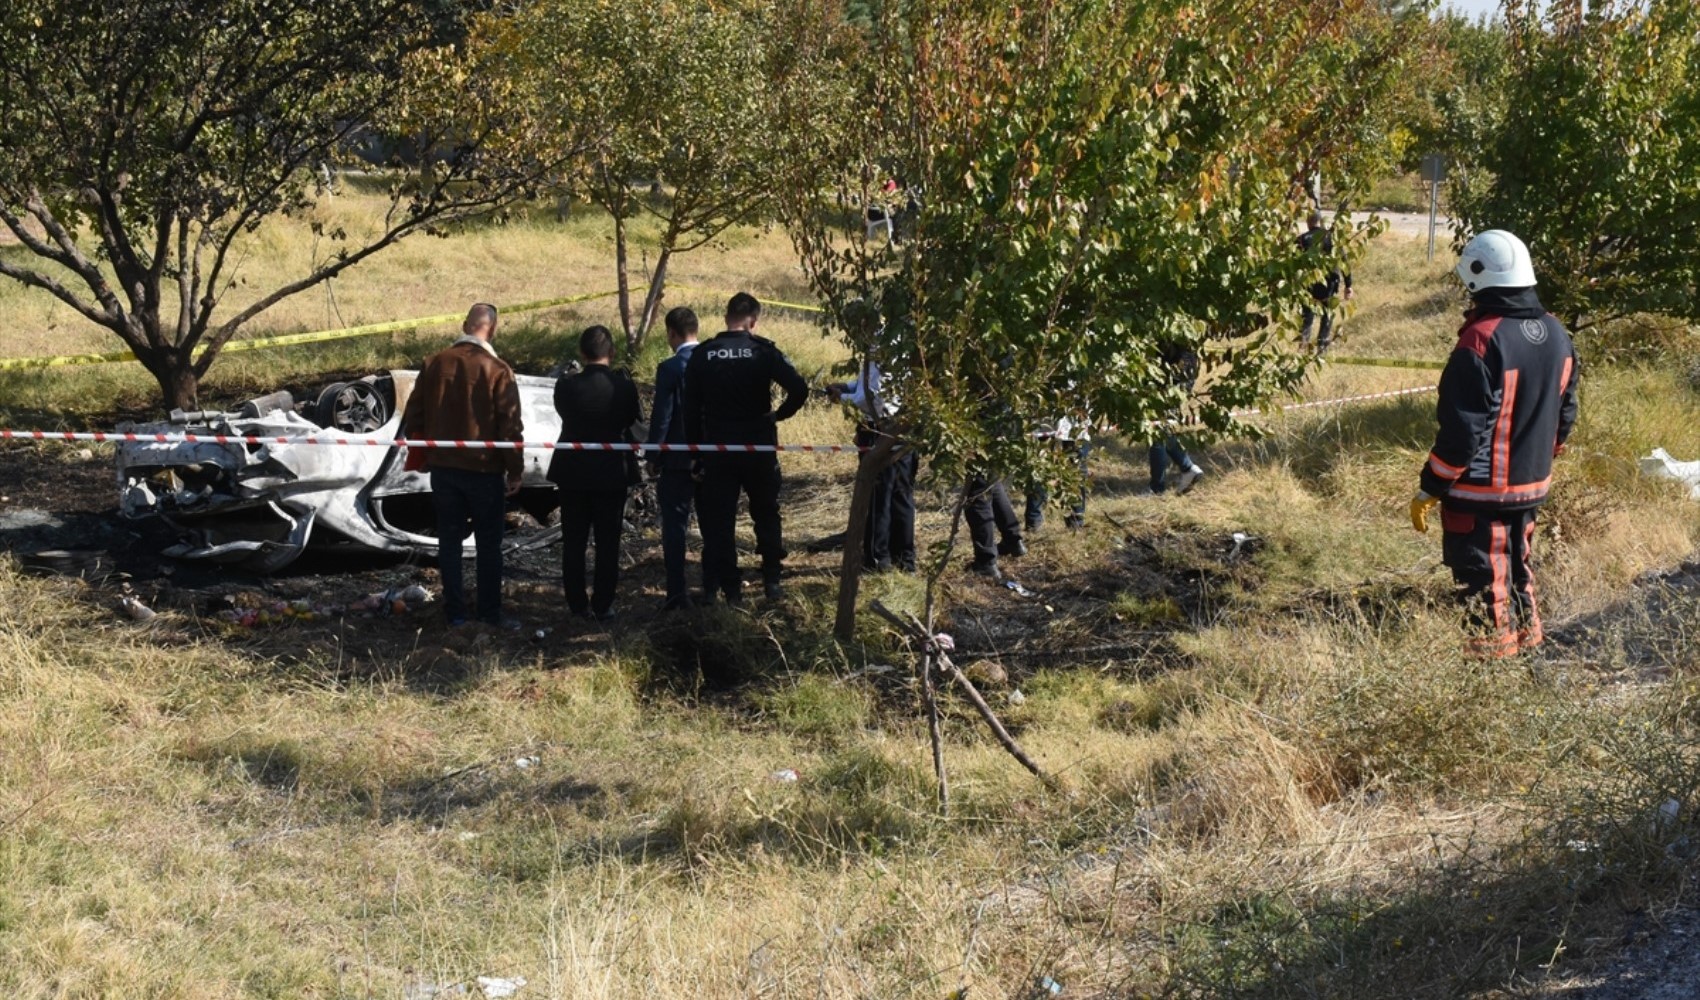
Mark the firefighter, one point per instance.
(1507, 405)
(728, 400)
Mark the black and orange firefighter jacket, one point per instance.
(1507, 403)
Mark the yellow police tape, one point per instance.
(1388, 363)
(312, 337)
(765, 302)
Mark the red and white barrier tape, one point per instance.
(328, 440)
(324, 440)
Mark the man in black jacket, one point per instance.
(1316, 239)
(1507, 405)
(729, 401)
(596, 405)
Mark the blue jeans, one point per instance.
(478, 499)
(1161, 455)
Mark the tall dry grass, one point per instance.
(1303, 791)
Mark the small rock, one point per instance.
(987, 672)
(137, 610)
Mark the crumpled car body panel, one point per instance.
(260, 506)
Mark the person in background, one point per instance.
(1507, 406)
(1069, 437)
(597, 405)
(466, 393)
(676, 489)
(993, 527)
(1180, 361)
(729, 384)
(889, 541)
(1318, 240)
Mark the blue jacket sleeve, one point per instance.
(693, 399)
(667, 378)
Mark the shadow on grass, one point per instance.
(1602, 844)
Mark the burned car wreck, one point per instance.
(259, 506)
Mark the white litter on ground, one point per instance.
(1660, 465)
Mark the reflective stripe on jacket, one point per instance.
(1507, 401)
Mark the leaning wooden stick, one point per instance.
(917, 631)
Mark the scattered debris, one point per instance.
(1020, 591)
(259, 506)
(495, 988)
(785, 776)
(253, 610)
(1048, 987)
(89, 564)
(1660, 465)
(395, 601)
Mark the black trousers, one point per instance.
(724, 478)
(1489, 555)
(478, 498)
(1325, 335)
(584, 512)
(990, 517)
(890, 536)
(676, 492)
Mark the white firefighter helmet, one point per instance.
(1495, 259)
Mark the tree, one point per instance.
(673, 94)
(1098, 181)
(141, 140)
(1458, 102)
(1597, 162)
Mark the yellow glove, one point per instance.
(1421, 504)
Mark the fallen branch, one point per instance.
(917, 632)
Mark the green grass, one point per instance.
(1278, 778)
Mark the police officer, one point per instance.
(1507, 404)
(729, 400)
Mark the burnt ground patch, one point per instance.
(1121, 609)
(1121, 613)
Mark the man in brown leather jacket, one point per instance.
(467, 393)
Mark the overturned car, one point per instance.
(259, 506)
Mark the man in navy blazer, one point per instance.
(676, 488)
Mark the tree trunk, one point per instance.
(651, 302)
(623, 279)
(868, 470)
(179, 387)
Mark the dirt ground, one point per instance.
(1660, 961)
(58, 516)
